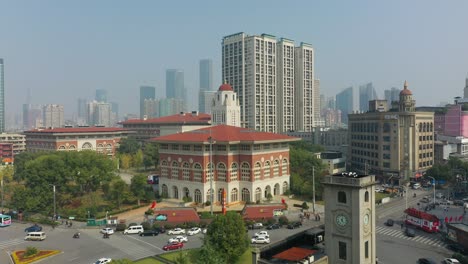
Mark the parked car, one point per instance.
(256, 226)
(389, 222)
(33, 228)
(273, 226)
(150, 233)
(294, 225)
(458, 202)
(161, 230)
(107, 230)
(194, 231)
(439, 195)
(416, 186)
(176, 231)
(262, 234)
(426, 261)
(103, 261)
(450, 261)
(172, 246)
(456, 248)
(260, 240)
(410, 232)
(424, 200)
(137, 229)
(181, 239)
(204, 230)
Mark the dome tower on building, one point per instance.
(225, 107)
(406, 104)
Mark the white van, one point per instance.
(136, 229)
(416, 186)
(35, 236)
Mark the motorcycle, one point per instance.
(106, 236)
(76, 235)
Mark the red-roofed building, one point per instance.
(176, 215)
(101, 139)
(248, 164)
(166, 125)
(262, 211)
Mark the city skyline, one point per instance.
(81, 47)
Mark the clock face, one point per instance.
(341, 220)
(366, 219)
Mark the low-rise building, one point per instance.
(18, 141)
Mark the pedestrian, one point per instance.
(401, 225)
(66, 222)
(70, 224)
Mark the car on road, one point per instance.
(450, 261)
(193, 231)
(136, 229)
(426, 261)
(176, 231)
(273, 226)
(424, 200)
(260, 240)
(262, 234)
(149, 233)
(161, 230)
(410, 232)
(458, 202)
(204, 230)
(107, 230)
(294, 225)
(439, 195)
(256, 226)
(173, 246)
(33, 228)
(103, 261)
(181, 239)
(389, 222)
(416, 186)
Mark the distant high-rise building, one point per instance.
(114, 113)
(273, 79)
(32, 116)
(392, 95)
(82, 108)
(53, 115)
(225, 107)
(316, 103)
(344, 102)
(170, 106)
(101, 95)
(465, 90)
(99, 114)
(146, 92)
(2, 97)
(206, 75)
(366, 94)
(175, 84)
(204, 101)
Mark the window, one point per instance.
(245, 147)
(186, 171)
(175, 170)
(164, 146)
(366, 249)
(233, 147)
(234, 170)
(342, 250)
(276, 168)
(164, 169)
(257, 171)
(266, 170)
(221, 147)
(245, 172)
(221, 172)
(234, 195)
(366, 197)
(197, 148)
(175, 147)
(186, 147)
(209, 171)
(257, 147)
(197, 197)
(245, 195)
(341, 197)
(197, 172)
(284, 167)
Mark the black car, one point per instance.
(457, 248)
(458, 202)
(160, 230)
(389, 222)
(410, 232)
(426, 261)
(273, 226)
(34, 228)
(150, 233)
(294, 225)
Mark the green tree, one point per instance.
(20, 164)
(138, 186)
(129, 146)
(182, 258)
(125, 161)
(209, 255)
(118, 191)
(151, 155)
(226, 236)
(138, 159)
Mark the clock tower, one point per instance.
(350, 218)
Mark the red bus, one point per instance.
(427, 222)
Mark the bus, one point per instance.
(5, 220)
(427, 222)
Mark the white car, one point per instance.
(262, 234)
(176, 231)
(178, 239)
(450, 261)
(194, 231)
(260, 240)
(204, 230)
(103, 261)
(107, 230)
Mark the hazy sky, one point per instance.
(62, 50)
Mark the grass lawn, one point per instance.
(379, 196)
(148, 261)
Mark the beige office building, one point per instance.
(398, 143)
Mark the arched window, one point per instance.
(186, 192)
(175, 192)
(245, 172)
(87, 145)
(234, 170)
(266, 170)
(197, 196)
(164, 169)
(234, 195)
(186, 171)
(341, 197)
(61, 148)
(285, 186)
(209, 171)
(197, 172)
(276, 190)
(257, 171)
(284, 167)
(258, 194)
(221, 172)
(276, 168)
(164, 191)
(175, 170)
(72, 147)
(366, 196)
(220, 195)
(245, 195)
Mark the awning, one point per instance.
(295, 254)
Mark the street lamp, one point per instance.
(55, 208)
(210, 140)
(313, 190)
(433, 186)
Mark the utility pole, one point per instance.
(1, 183)
(313, 189)
(55, 208)
(433, 186)
(211, 173)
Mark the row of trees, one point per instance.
(134, 154)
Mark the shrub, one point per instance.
(258, 202)
(146, 225)
(149, 212)
(120, 227)
(207, 203)
(283, 220)
(30, 251)
(287, 192)
(206, 215)
(271, 221)
(305, 206)
(187, 199)
(269, 197)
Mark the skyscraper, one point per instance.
(2, 97)
(101, 95)
(146, 92)
(175, 84)
(206, 75)
(52, 115)
(273, 79)
(344, 102)
(392, 95)
(99, 114)
(366, 94)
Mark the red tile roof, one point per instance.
(76, 130)
(258, 212)
(224, 133)
(295, 254)
(178, 215)
(186, 118)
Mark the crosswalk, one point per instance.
(11, 242)
(400, 234)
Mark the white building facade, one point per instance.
(225, 107)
